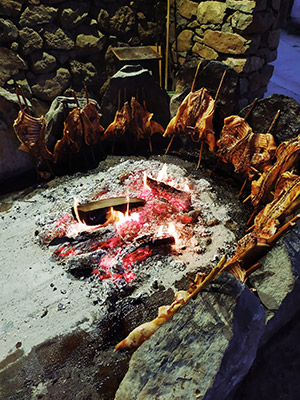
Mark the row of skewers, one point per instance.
(82, 130)
(275, 194)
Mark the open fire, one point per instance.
(164, 214)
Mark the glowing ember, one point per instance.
(158, 222)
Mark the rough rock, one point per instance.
(224, 42)
(256, 23)
(87, 45)
(48, 86)
(11, 8)
(259, 79)
(247, 6)
(188, 9)
(56, 116)
(30, 40)
(42, 62)
(121, 23)
(211, 12)
(8, 31)
(148, 32)
(184, 40)
(57, 39)
(11, 64)
(137, 80)
(205, 51)
(84, 74)
(277, 282)
(199, 352)
(271, 39)
(73, 14)
(9, 143)
(288, 123)
(37, 15)
(246, 65)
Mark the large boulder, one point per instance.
(8, 31)
(135, 81)
(288, 123)
(34, 15)
(203, 351)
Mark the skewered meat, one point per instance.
(93, 130)
(73, 136)
(120, 124)
(248, 152)
(142, 125)
(31, 133)
(287, 154)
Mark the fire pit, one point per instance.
(168, 225)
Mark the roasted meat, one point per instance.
(121, 123)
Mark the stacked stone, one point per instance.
(50, 46)
(241, 33)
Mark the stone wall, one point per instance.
(50, 46)
(242, 34)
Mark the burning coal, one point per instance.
(150, 210)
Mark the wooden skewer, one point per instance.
(200, 154)
(195, 77)
(247, 198)
(210, 277)
(251, 216)
(150, 144)
(75, 98)
(252, 269)
(119, 99)
(274, 121)
(242, 188)
(220, 85)
(167, 44)
(169, 145)
(19, 100)
(25, 100)
(86, 94)
(250, 109)
(250, 229)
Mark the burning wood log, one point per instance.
(96, 212)
(178, 198)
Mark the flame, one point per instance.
(172, 231)
(145, 181)
(162, 175)
(160, 231)
(186, 188)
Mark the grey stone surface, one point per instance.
(11, 64)
(8, 31)
(140, 84)
(288, 123)
(57, 39)
(203, 351)
(48, 86)
(277, 282)
(73, 14)
(37, 14)
(30, 40)
(42, 62)
(87, 45)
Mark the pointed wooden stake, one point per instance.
(195, 77)
(250, 109)
(200, 154)
(242, 188)
(220, 85)
(274, 121)
(171, 141)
